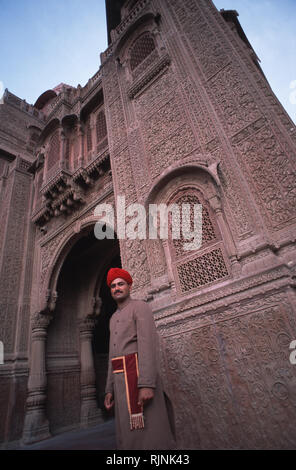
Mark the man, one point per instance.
(143, 412)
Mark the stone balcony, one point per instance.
(64, 190)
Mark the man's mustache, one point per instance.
(118, 292)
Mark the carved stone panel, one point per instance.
(233, 384)
(134, 259)
(271, 176)
(13, 253)
(233, 100)
(124, 177)
(201, 38)
(117, 123)
(63, 399)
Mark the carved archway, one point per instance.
(199, 174)
(62, 336)
(200, 164)
(53, 256)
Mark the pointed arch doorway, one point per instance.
(78, 336)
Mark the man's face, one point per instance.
(120, 289)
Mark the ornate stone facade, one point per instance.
(179, 111)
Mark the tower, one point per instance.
(192, 118)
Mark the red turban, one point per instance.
(114, 273)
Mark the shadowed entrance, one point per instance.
(101, 337)
(78, 336)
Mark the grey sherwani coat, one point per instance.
(132, 329)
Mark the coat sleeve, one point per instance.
(109, 384)
(147, 344)
(110, 379)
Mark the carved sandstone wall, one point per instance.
(191, 113)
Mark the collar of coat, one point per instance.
(124, 303)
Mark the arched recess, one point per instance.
(44, 98)
(49, 148)
(48, 288)
(87, 116)
(140, 47)
(195, 181)
(49, 129)
(77, 337)
(127, 38)
(50, 268)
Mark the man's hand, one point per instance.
(109, 402)
(145, 395)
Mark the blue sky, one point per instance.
(46, 42)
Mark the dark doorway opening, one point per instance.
(101, 336)
(82, 278)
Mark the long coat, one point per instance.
(132, 329)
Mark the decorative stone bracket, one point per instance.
(66, 191)
(49, 302)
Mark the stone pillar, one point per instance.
(36, 426)
(90, 413)
(226, 235)
(81, 144)
(93, 136)
(63, 149)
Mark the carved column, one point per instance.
(36, 426)
(81, 144)
(90, 413)
(226, 235)
(63, 149)
(93, 133)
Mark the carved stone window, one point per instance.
(101, 131)
(141, 49)
(202, 270)
(101, 127)
(54, 150)
(206, 264)
(208, 231)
